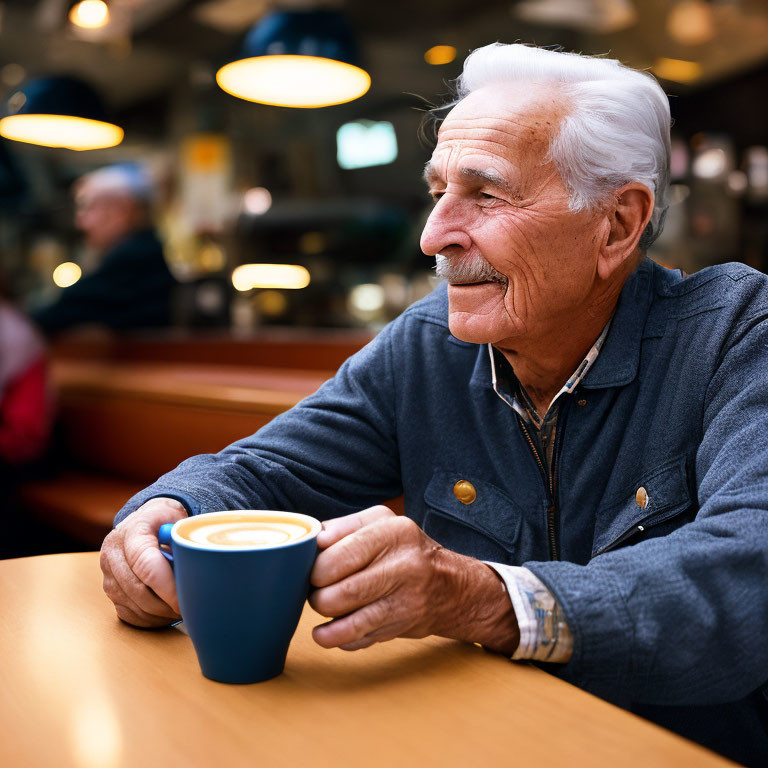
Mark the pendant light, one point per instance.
(59, 112)
(89, 14)
(297, 59)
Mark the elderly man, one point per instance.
(578, 432)
(132, 286)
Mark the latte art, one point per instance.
(245, 530)
(261, 534)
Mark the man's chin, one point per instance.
(476, 312)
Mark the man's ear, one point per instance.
(627, 217)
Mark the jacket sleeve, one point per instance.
(335, 452)
(683, 619)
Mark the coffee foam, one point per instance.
(240, 530)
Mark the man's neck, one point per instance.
(543, 364)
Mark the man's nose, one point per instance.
(444, 228)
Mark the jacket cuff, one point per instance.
(596, 613)
(192, 506)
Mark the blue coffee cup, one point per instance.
(241, 601)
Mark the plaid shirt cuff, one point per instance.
(544, 634)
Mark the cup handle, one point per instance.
(164, 538)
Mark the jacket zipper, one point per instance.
(550, 482)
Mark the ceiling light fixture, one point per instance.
(89, 14)
(284, 276)
(59, 112)
(297, 59)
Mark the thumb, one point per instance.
(142, 552)
(336, 529)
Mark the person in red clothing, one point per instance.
(25, 403)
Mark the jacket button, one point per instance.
(465, 492)
(641, 497)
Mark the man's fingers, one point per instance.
(150, 567)
(351, 554)
(129, 611)
(336, 529)
(347, 630)
(353, 592)
(381, 635)
(122, 585)
(132, 613)
(136, 575)
(143, 555)
(358, 645)
(130, 616)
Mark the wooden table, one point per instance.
(79, 688)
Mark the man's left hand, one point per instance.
(380, 576)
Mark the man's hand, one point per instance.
(380, 576)
(137, 578)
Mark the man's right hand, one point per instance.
(137, 578)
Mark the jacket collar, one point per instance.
(619, 359)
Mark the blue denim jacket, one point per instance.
(668, 603)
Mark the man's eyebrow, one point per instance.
(493, 178)
(431, 174)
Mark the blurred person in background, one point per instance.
(132, 285)
(25, 405)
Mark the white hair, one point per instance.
(616, 131)
(124, 179)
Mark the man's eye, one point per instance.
(486, 196)
(436, 195)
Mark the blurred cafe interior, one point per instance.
(274, 231)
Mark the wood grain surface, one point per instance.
(79, 688)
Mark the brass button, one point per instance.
(582, 402)
(465, 492)
(641, 497)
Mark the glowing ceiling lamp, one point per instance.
(284, 276)
(59, 112)
(297, 59)
(89, 14)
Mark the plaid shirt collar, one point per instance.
(513, 394)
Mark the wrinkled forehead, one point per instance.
(513, 122)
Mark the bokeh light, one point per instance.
(66, 274)
(90, 14)
(368, 297)
(257, 201)
(283, 276)
(440, 54)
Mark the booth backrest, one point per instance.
(131, 410)
(285, 348)
(138, 421)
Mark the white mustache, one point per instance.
(475, 270)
